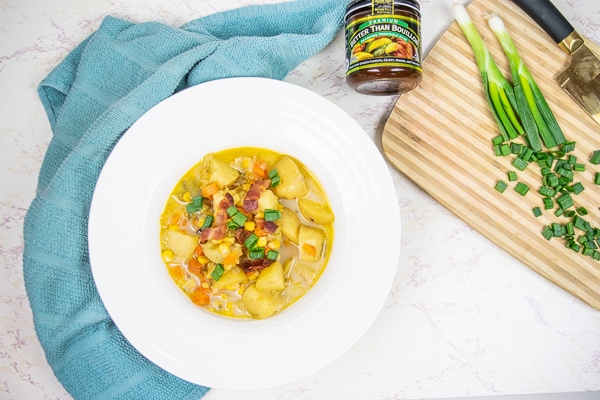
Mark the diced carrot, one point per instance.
(194, 267)
(210, 189)
(199, 297)
(177, 273)
(260, 168)
(310, 249)
(231, 259)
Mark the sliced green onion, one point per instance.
(195, 205)
(207, 222)
(519, 164)
(231, 211)
(272, 215)
(521, 188)
(536, 212)
(498, 91)
(536, 116)
(512, 176)
(217, 272)
(239, 218)
(272, 255)
(547, 232)
(597, 178)
(595, 158)
(565, 201)
(501, 186)
(548, 203)
(274, 176)
(256, 252)
(251, 241)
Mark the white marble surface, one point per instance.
(463, 318)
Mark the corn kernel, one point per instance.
(224, 248)
(205, 285)
(262, 241)
(203, 260)
(249, 226)
(229, 239)
(246, 186)
(187, 197)
(168, 255)
(274, 244)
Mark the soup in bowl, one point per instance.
(246, 232)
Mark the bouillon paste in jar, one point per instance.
(383, 46)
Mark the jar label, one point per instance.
(383, 40)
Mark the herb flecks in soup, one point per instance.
(246, 232)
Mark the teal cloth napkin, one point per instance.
(98, 91)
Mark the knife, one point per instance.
(581, 79)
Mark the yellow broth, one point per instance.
(246, 232)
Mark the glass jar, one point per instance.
(383, 46)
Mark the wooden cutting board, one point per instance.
(439, 135)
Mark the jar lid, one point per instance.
(356, 5)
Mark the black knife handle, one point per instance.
(547, 16)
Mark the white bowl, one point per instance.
(140, 296)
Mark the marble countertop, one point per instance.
(463, 318)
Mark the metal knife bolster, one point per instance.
(571, 43)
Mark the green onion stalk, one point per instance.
(533, 110)
(498, 91)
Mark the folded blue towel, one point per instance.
(99, 90)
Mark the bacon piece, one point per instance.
(251, 200)
(221, 211)
(268, 227)
(254, 264)
(241, 235)
(213, 233)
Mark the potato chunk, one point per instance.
(182, 244)
(222, 173)
(292, 184)
(310, 241)
(271, 278)
(268, 200)
(234, 276)
(289, 223)
(315, 212)
(259, 304)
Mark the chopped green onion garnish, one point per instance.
(582, 211)
(578, 188)
(595, 159)
(232, 226)
(274, 176)
(272, 215)
(195, 205)
(519, 164)
(251, 241)
(256, 252)
(565, 201)
(231, 211)
(239, 218)
(548, 203)
(512, 176)
(207, 222)
(521, 188)
(568, 147)
(547, 232)
(217, 272)
(536, 211)
(272, 255)
(501, 186)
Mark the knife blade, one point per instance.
(581, 79)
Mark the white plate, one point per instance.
(158, 319)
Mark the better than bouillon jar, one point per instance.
(383, 46)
